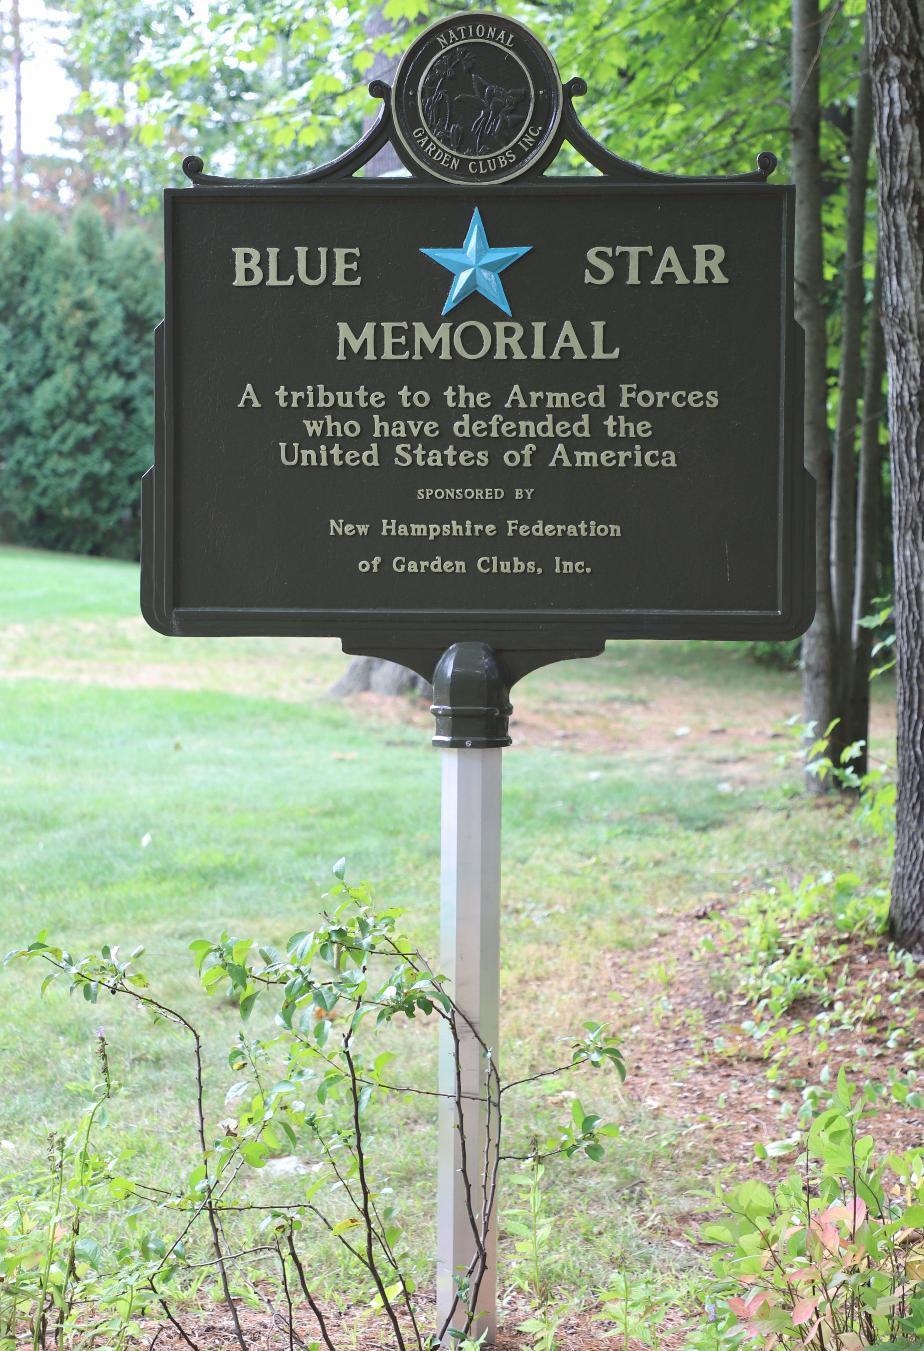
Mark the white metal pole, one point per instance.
(470, 957)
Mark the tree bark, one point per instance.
(2, 159)
(843, 504)
(372, 673)
(866, 570)
(382, 68)
(897, 58)
(818, 647)
(377, 676)
(16, 59)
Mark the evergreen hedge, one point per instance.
(78, 306)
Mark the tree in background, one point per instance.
(103, 157)
(830, 142)
(818, 657)
(160, 81)
(897, 49)
(16, 60)
(77, 309)
(275, 86)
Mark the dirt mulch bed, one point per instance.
(693, 1060)
(353, 1329)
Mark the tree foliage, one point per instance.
(270, 86)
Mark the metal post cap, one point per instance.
(471, 700)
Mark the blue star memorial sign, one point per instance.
(476, 267)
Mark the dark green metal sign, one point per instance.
(533, 412)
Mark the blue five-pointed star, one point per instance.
(476, 266)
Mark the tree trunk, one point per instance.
(16, 58)
(122, 135)
(869, 495)
(2, 160)
(843, 505)
(897, 58)
(819, 658)
(371, 673)
(382, 68)
(375, 676)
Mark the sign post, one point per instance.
(475, 421)
(470, 948)
(471, 707)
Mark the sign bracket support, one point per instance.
(471, 705)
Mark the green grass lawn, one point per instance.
(156, 791)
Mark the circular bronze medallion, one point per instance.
(476, 99)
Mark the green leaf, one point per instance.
(88, 1250)
(200, 949)
(344, 1226)
(152, 1247)
(254, 1152)
(844, 1094)
(753, 1198)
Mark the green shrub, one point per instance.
(88, 1247)
(783, 656)
(78, 308)
(833, 1259)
